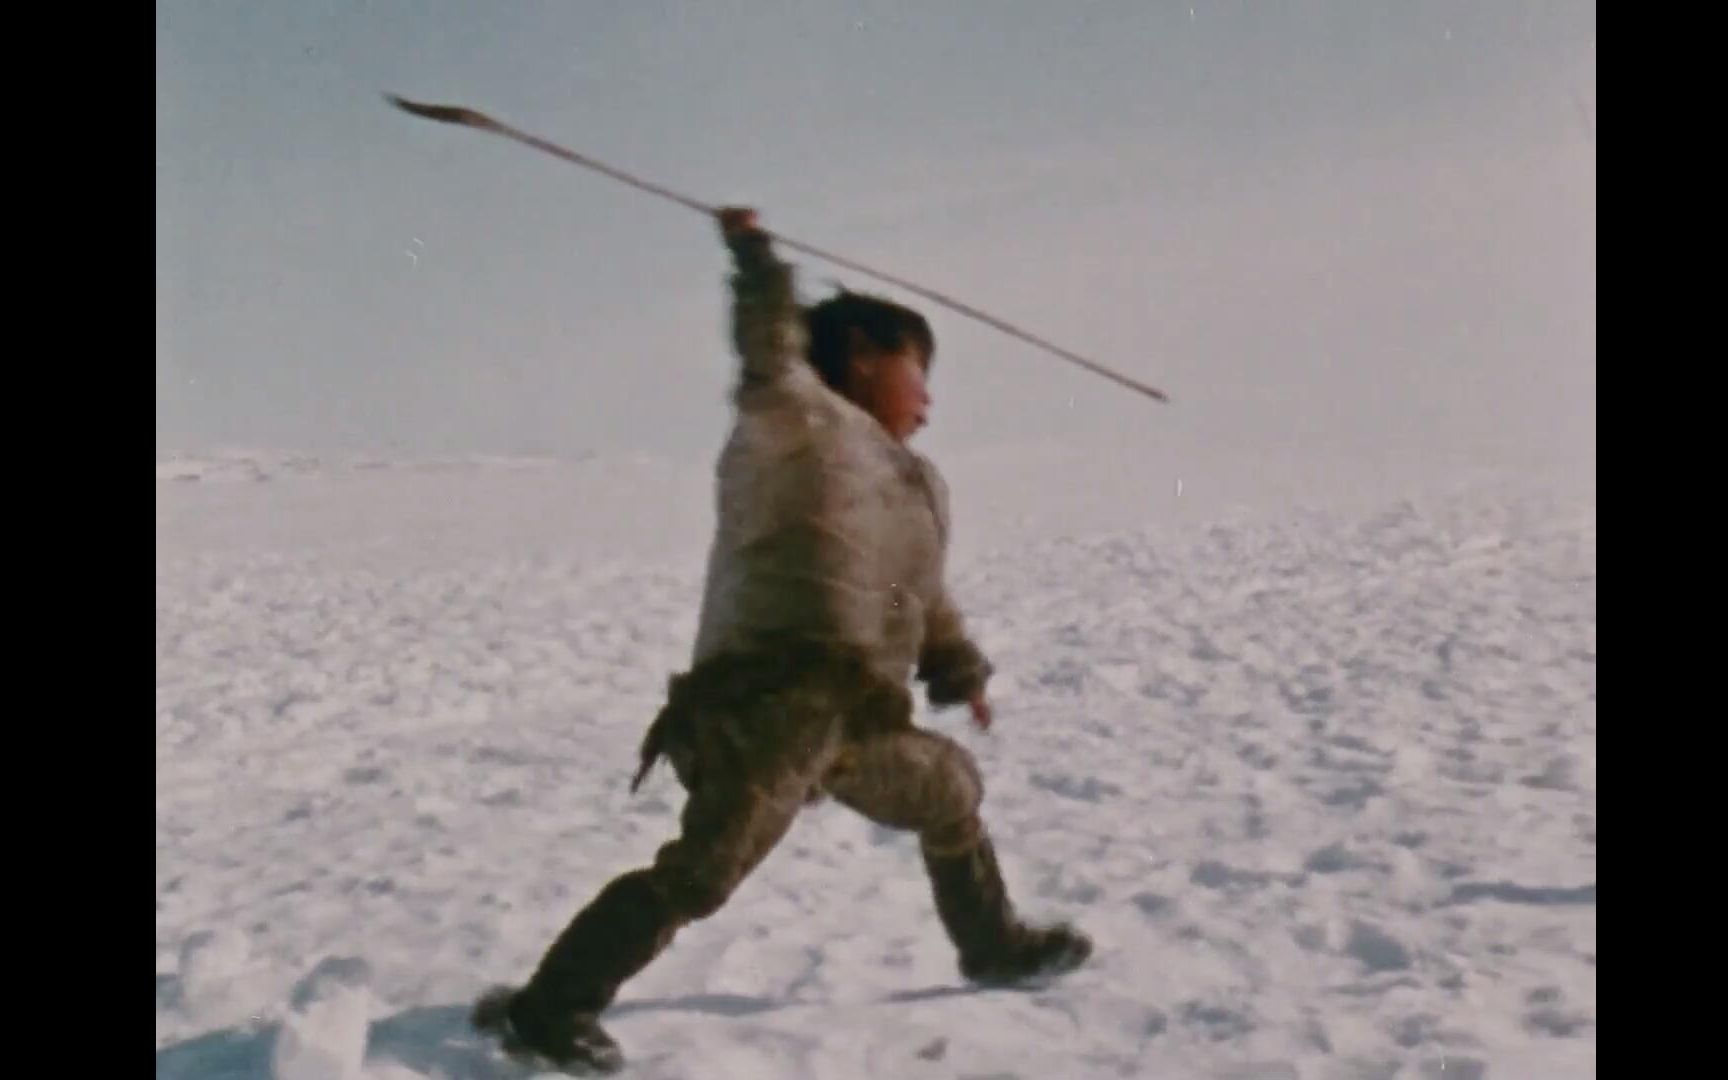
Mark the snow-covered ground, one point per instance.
(1320, 780)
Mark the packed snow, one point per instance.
(1320, 779)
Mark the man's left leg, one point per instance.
(927, 783)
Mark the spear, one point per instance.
(453, 114)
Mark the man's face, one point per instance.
(892, 388)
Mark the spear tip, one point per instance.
(446, 114)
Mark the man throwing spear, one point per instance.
(825, 596)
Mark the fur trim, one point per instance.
(953, 673)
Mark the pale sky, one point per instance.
(1334, 227)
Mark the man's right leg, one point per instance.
(736, 813)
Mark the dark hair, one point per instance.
(835, 323)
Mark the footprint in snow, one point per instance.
(1086, 789)
(1217, 1023)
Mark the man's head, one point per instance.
(875, 353)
